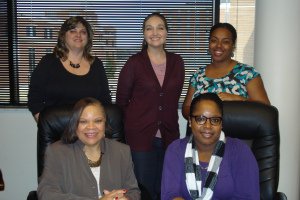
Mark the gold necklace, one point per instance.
(95, 163)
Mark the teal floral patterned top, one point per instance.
(234, 82)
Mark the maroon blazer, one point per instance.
(148, 106)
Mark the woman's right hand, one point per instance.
(114, 195)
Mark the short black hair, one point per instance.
(206, 96)
(227, 26)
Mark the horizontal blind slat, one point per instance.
(117, 26)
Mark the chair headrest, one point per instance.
(248, 120)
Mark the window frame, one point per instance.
(13, 65)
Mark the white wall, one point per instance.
(17, 153)
(277, 56)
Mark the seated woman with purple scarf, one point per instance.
(208, 165)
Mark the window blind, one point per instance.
(4, 60)
(117, 35)
(241, 14)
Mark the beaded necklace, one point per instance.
(95, 163)
(76, 66)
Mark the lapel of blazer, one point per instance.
(105, 166)
(83, 165)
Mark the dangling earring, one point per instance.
(232, 54)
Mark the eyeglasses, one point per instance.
(200, 120)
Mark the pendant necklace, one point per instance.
(76, 66)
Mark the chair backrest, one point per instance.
(259, 123)
(53, 120)
(256, 123)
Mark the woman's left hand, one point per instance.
(230, 97)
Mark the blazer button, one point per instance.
(160, 108)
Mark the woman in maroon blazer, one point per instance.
(149, 88)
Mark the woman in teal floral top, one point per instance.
(231, 80)
(228, 78)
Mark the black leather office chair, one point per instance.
(257, 124)
(52, 122)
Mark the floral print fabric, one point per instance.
(234, 82)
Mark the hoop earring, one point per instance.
(208, 52)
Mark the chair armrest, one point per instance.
(2, 186)
(32, 195)
(281, 196)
